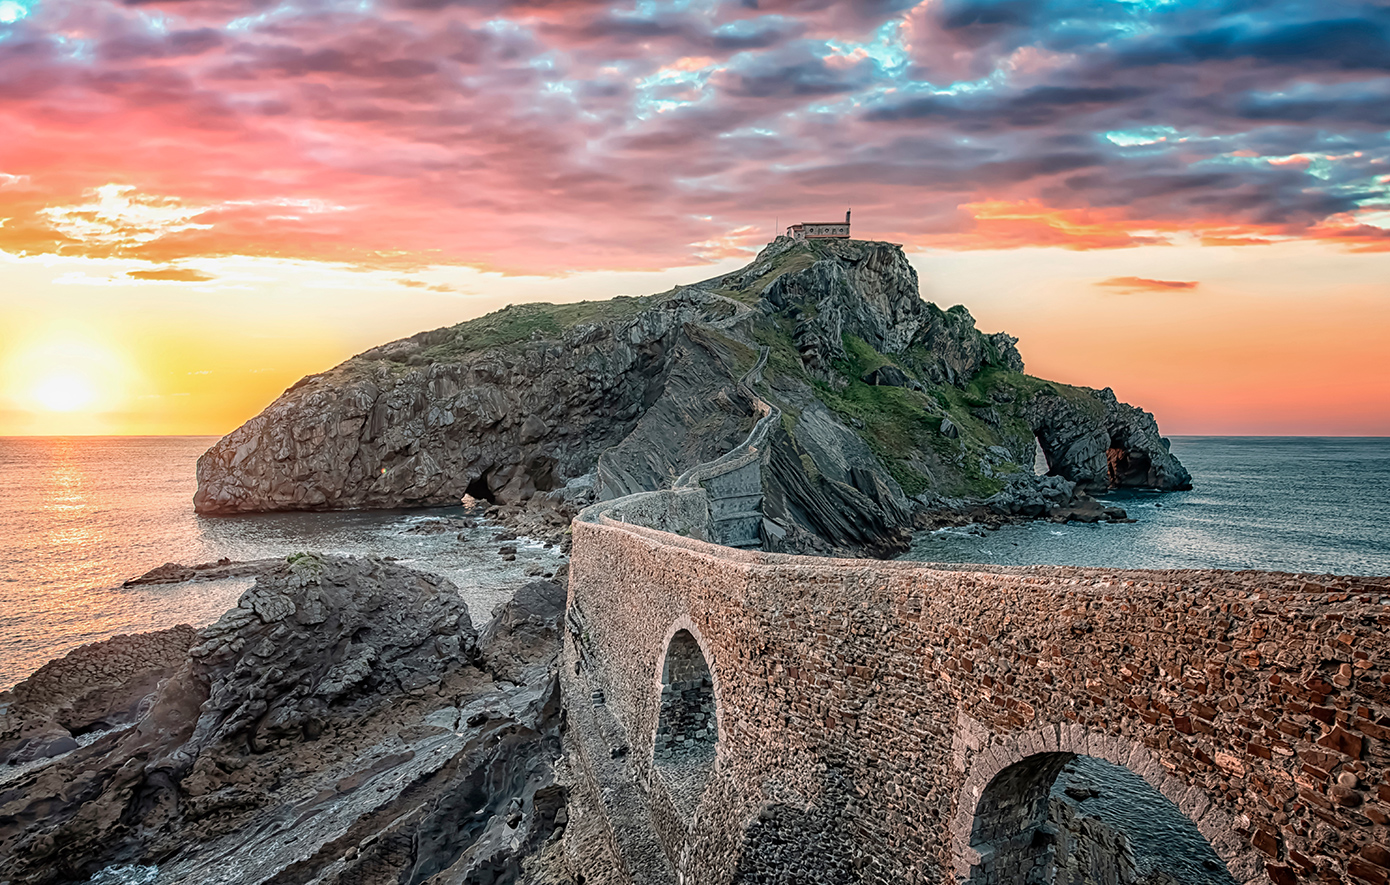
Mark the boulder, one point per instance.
(1032, 497)
(524, 632)
(887, 376)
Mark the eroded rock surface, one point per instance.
(885, 402)
(99, 686)
(339, 725)
(1104, 443)
(429, 419)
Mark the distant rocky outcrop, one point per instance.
(885, 403)
(1102, 443)
(341, 724)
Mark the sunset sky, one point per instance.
(203, 200)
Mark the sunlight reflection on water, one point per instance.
(83, 515)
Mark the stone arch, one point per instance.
(689, 729)
(1002, 810)
(1127, 467)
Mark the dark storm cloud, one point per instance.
(1356, 109)
(1032, 107)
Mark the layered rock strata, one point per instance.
(886, 403)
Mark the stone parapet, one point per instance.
(868, 705)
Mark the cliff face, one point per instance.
(887, 403)
(495, 408)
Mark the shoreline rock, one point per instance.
(1025, 499)
(97, 686)
(345, 716)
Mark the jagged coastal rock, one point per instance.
(885, 406)
(97, 687)
(341, 724)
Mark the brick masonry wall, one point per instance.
(871, 703)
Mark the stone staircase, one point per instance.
(734, 481)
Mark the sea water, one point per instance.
(80, 515)
(1292, 504)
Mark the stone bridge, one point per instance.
(751, 717)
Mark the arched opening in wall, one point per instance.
(1062, 819)
(688, 728)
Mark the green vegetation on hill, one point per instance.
(901, 425)
(894, 421)
(513, 325)
(1027, 385)
(519, 323)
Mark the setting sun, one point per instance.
(65, 381)
(65, 393)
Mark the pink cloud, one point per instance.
(1143, 284)
(554, 136)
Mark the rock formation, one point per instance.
(94, 688)
(339, 725)
(886, 403)
(1101, 443)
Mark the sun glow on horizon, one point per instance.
(94, 346)
(65, 392)
(67, 381)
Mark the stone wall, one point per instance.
(735, 501)
(733, 482)
(867, 706)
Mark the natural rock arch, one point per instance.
(479, 490)
(1002, 827)
(1127, 467)
(686, 741)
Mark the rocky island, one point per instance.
(886, 413)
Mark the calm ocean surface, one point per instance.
(82, 514)
(1292, 504)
